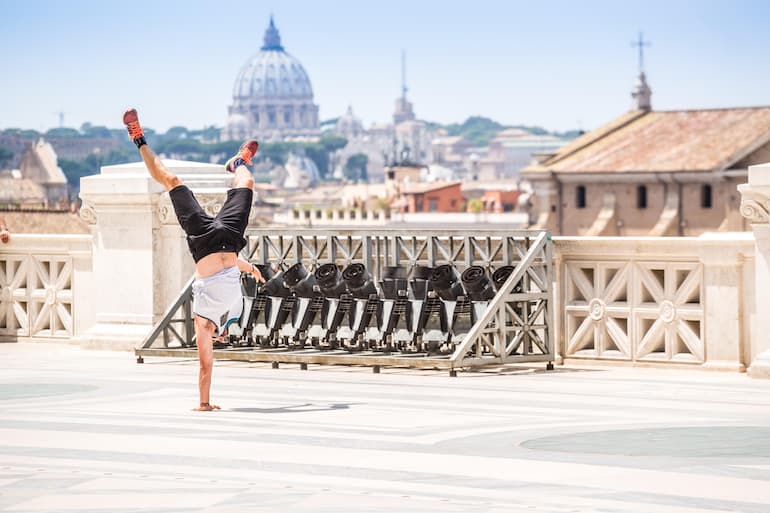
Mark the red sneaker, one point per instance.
(245, 153)
(131, 120)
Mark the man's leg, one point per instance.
(243, 178)
(154, 165)
(235, 210)
(204, 339)
(237, 165)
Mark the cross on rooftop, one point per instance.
(641, 43)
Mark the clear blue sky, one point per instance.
(558, 64)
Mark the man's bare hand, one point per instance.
(257, 275)
(5, 236)
(207, 407)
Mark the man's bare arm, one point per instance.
(247, 267)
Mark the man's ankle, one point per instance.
(139, 141)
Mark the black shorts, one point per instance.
(220, 234)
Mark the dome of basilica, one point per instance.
(273, 94)
(272, 73)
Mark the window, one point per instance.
(432, 204)
(453, 203)
(580, 196)
(706, 196)
(641, 196)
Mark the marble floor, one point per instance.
(93, 431)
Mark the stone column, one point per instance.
(723, 305)
(140, 256)
(755, 206)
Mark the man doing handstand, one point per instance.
(214, 243)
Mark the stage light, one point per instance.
(275, 287)
(446, 282)
(500, 276)
(329, 281)
(359, 281)
(476, 282)
(300, 281)
(420, 282)
(394, 283)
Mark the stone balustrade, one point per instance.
(46, 286)
(330, 217)
(677, 300)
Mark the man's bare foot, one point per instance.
(207, 407)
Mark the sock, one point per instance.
(238, 162)
(139, 141)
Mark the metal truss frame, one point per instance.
(516, 326)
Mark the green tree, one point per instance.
(62, 132)
(24, 134)
(475, 205)
(176, 132)
(75, 170)
(211, 133)
(333, 142)
(320, 157)
(355, 167)
(277, 152)
(29, 134)
(180, 147)
(88, 130)
(5, 155)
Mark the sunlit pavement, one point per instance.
(94, 431)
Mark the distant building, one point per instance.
(272, 96)
(512, 150)
(299, 172)
(451, 151)
(40, 165)
(29, 219)
(431, 197)
(373, 143)
(18, 192)
(500, 201)
(656, 173)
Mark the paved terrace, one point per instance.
(93, 431)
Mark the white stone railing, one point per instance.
(655, 300)
(333, 216)
(42, 279)
(330, 217)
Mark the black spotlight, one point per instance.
(421, 284)
(359, 281)
(446, 282)
(500, 276)
(300, 281)
(329, 281)
(476, 282)
(394, 283)
(275, 286)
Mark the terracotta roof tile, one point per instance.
(44, 222)
(666, 141)
(422, 187)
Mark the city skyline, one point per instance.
(560, 66)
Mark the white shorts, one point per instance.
(218, 298)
